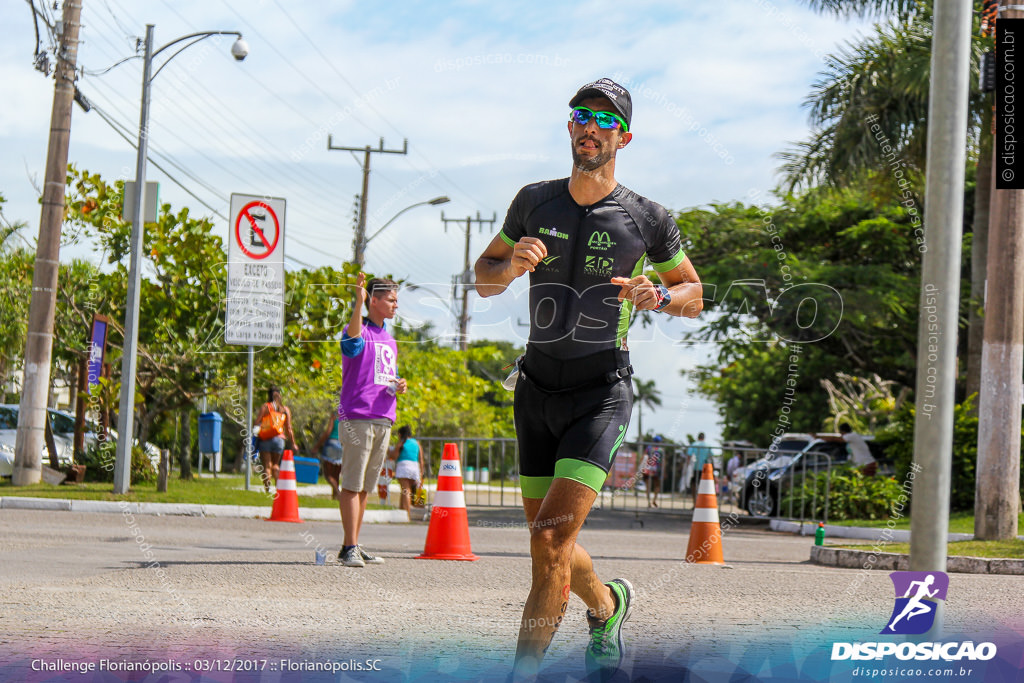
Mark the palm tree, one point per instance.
(645, 393)
(886, 77)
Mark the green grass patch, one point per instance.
(959, 523)
(1012, 548)
(224, 490)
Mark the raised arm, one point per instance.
(355, 322)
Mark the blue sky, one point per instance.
(479, 89)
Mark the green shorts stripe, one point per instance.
(586, 473)
(534, 487)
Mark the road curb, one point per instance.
(865, 559)
(191, 509)
(859, 532)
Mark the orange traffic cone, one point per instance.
(448, 535)
(705, 545)
(286, 500)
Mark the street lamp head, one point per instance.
(439, 200)
(240, 49)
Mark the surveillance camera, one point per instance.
(240, 49)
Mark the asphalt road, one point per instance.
(81, 587)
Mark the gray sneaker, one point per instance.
(368, 558)
(350, 557)
(604, 654)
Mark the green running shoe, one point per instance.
(605, 650)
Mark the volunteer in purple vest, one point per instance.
(369, 384)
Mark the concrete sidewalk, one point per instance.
(190, 509)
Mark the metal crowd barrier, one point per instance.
(490, 468)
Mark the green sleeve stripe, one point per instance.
(671, 263)
(506, 239)
(626, 310)
(534, 487)
(586, 473)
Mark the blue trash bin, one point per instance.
(209, 432)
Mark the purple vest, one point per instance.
(365, 378)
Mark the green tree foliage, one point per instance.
(181, 332)
(183, 280)
(898, 441)
(835, 270)
(15, 291)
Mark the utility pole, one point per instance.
(997, 487)
(466, 277)
(359, 243)
(938, 318)
(35, 384)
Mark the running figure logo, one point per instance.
(916, 596)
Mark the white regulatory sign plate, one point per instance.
(255, 301)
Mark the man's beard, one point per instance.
(589, 164)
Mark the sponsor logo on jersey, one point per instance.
(598, 265)
(600, 241)
(553, 232)
(547, 261)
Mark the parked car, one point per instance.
(62, 425)
(766, 479)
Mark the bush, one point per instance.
(851, 495)
(99, 459)
(898, 441)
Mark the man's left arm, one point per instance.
(683, 287)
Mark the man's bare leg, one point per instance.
(559, 566)
(351, 505)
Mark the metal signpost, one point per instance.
(255, 292)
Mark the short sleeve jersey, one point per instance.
(574, 308)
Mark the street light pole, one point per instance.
(126, 406)
(436, 201)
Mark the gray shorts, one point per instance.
(365, 445)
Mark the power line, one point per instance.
(340, 75)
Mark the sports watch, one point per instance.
(664, 297)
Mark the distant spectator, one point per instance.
(653, 462)
(328, 447)
(732, 465)
(701, 454)
(860, 454)
(275, 421)
(408, 466)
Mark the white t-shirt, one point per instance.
(859, 452)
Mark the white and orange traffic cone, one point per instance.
(448, 534)
(705, 545)
(286, 500)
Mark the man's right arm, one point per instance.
(501, 263)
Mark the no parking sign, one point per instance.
(255, 303)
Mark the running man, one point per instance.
(583, 240)
(916, 605)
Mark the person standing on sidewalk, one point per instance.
(583, 240)
(408, 466)
(275, 421)
(369, 368)
(701, 453)
(860, 454)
